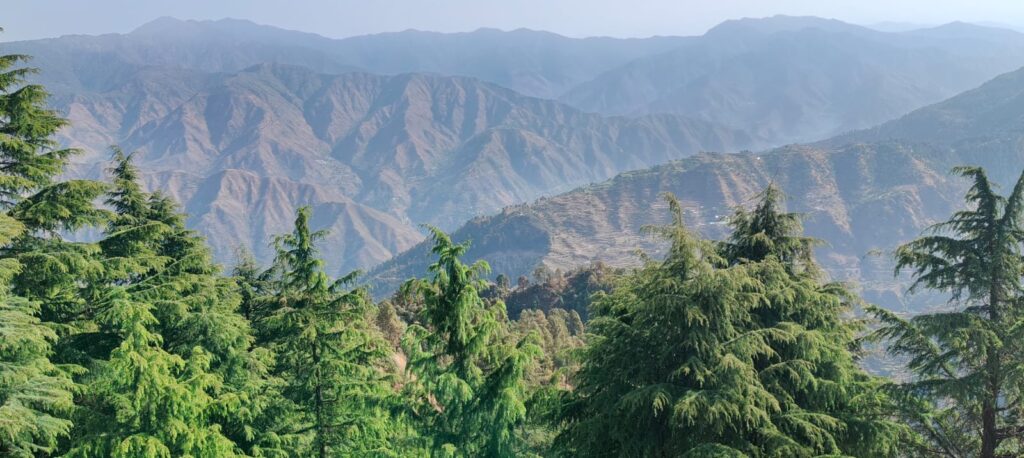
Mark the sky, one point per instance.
(30, 19)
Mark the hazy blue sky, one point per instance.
(24, 19)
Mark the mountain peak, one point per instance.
(783, 23)
(225, 29)
(161, 25)
(960, 29)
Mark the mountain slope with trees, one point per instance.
(134, 344)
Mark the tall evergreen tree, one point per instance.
(470, 384)
(36, 396)
(768, 231)
(331, 364)
(158, 261)
(966, 361)
(822, 345)
(683, 361)
(144, 401)
(40, 273)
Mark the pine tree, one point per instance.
(767, 231)
(51, 269)
(966, 360)
(469, 385)
(254, 285)
(36, 396)
(30, 156)
(158, 261)
(144, 401)
(821, 346)
(132, 239)
(331, 364)
(682, 360)
(40, 272)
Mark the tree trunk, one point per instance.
(989, 433)
(989, 441)
(321, 438)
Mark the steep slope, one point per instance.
(863, 193)
(791, 79)
(846, 194)
(236, 207)
(415, 148)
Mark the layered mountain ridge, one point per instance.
(415, 148)
(381, 133)
(863, 193)
(791, 79)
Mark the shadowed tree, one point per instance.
(967, 361)
(701, 355)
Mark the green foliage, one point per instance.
(35, 265)
(560, 333)
(144, 401)
(468, 385)
(331, 364)
(29, 154)
(966, 361)
(703, 355)
(571, 290)
(149, 252)
(36, 396)
(766, 231)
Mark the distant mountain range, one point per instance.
(794, 79)
(243, 123)
(534, 63)
(379, 154)
(863, 193)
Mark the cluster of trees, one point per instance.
(136, 345)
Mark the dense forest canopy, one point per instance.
(137, 344)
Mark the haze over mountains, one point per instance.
(244, 123)
(243, 150)
(802, 79)
(863, 193)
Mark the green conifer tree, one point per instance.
(331, 363)
(966, 395)
(683, 360)
(40, 272)
(814, 370)
(154, 257)
(145, 402)
(469, 385)
(36, 396)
